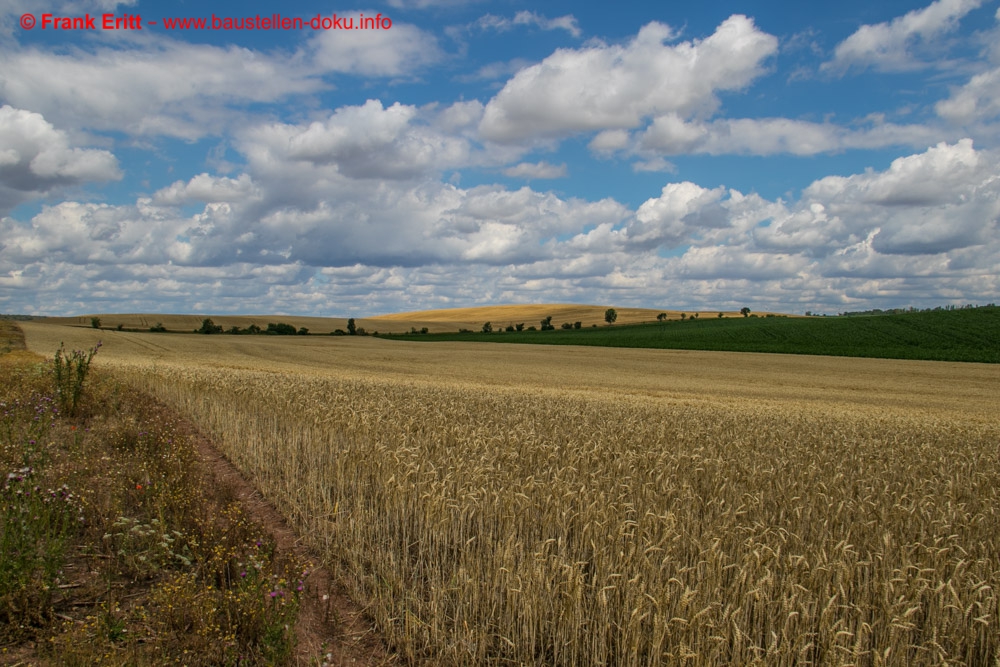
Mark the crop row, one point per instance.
(492, 526)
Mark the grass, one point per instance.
(959, 335)
(115, 547)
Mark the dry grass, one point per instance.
(506, 507)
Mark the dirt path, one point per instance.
(332, 630)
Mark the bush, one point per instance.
(207, 327)
(488, 328)
(158, 328)
(577, 325)
(610, 315)
(567, 325)
(95, 322)
(280, 329)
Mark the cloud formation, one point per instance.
(36, 159)
(891, 46)
(616, 86)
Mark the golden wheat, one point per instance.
(498, 524)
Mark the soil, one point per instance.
(332, 630)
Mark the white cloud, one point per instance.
(367, 142)
(891, 46)
(977, 100)
(398, 51)
(542, 169)
(205, 188)
(183, 90)
(672, 135)
(528, 18)
(36, 159)
(616, 87)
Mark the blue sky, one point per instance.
(787, 156)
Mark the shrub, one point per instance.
(280, 329)
(610, 315)
(95, 322)
(208, 327)
(577, 325)
(158, 328)
(567, 325)
(488, 328)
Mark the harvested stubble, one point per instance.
(497, 526)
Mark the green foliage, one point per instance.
(610, 315)
(208, 327)
(567, 325)
(95, 322)
(945, 335)
(352, 328)
(158, 328)
(488, 328)
(70, 372)
(744, 311)
(661, 317)
(547, 324)
(280, 329)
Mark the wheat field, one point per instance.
(615, 507)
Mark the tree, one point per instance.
(683, 316)
(610, 315)
(95, 322)
(488, 328)
(661, 317)
(208, 327)
(547, 323)
(519, 326)
(352, 328)
(720, 316)
(744, 311)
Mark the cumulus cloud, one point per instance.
(367, 141)
(401, 50)
(616, 86)
(170, 88)
(890, 46)
(36, 159)
(537, 170)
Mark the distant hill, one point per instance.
(436, 321)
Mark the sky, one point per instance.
(783, 156)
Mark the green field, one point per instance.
(971, 334)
